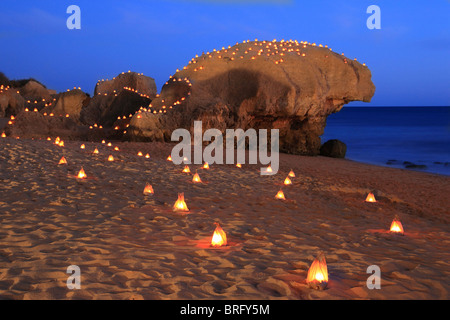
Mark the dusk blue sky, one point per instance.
(408, 57)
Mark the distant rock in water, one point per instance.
(288, 86)
(415, 166)
(334, 149)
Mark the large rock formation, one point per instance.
(18, 95)
(68, 103)
(11, 102)
(121, 96)
(288, 86)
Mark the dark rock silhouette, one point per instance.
(333, 148)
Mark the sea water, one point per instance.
(418, 137)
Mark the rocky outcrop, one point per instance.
(122, 96)
(11, 102)
(37, 125)
(141, 84)
(68, 103)
(334, 149)
(288, 86)
(104, 110)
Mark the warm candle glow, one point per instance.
(147, 156)
(81, 174)
(317, 277)
(186, 169)
(280, 195)
(61, 143)
(110, 158)
(396, 226)
(169, 158)
(140, 154)
(219, 237)
(206, 165)
(95, 151)
(62, 161)
(287, 181)
(292, 174)
(180, 204)
(82, 146)
(3, 135)
(148, 189)
(370, 198)
(196, 178)
(239, 165)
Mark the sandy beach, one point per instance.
(132, 246)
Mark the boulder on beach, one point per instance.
(334, 149)
(290, 86)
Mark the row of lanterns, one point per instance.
(317, 277)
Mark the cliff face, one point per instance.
(288, 86)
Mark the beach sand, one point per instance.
(131, 246)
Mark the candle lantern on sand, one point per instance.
(148, 189)
(280, 195)
(180, 205)
(317, 277)
(396, 226)
(370, 198)
(81, 174)
(62, 161)
(196, 178)
(219, 237)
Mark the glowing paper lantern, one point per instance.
(239, 165)
(196, 178)
(116, 148)
(219, 237)
(110, 158)
(82, 146)
(370, 198)
(147, 156)
(169, 158)
(61, 143)
(140, 154)
(291, 174)
(287, 181)
(81, 174)
(62, 161)
(186, 169)
(95, 151)
(148, 189)
(317, 277)
(3, 135)
(280, 195)
(396, 226)
(206, 166)
(180, 204)
(268, 169)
